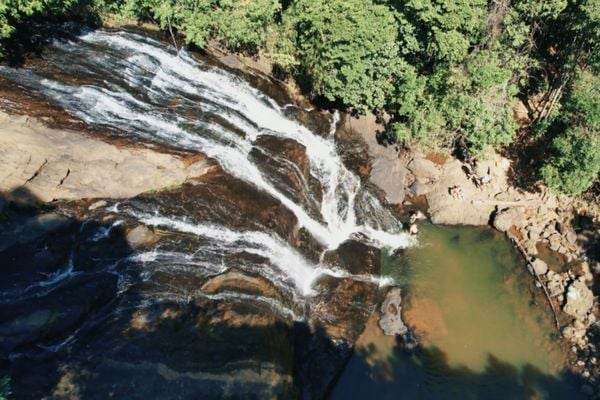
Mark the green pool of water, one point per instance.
(484, 335)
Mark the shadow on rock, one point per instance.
(83, 317)
(56, 284)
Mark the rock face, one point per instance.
(57, 164)
(391, 319)
(580, 300)
(476, 205)
(424, 170)
(32, 228)
(390, 176)
(388, 172)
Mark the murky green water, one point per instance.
(468, 299)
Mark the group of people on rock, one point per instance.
(470, 167)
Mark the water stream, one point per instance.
(264, 268)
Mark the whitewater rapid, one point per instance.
(134, 84)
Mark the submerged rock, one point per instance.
(140, 236)
(391, 318)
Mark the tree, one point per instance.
(4, 387)
(346, 48)
(574, 162)
(13, 12)
(240, 25)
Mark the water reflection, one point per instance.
(382, 369)
(469, 301)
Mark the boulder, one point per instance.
(50, 222)
(391, 319)
(530, 247)
(555, 243)
(418, 189)
(507, 218)
(573, 333)
(424, 170)
(571, 236)
(534, 235)
(539, 266)
(97, 204)
(580, 299)
(140, 236)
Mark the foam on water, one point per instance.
(145, 89)
(149, 66)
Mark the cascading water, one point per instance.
(146, 90)
(287, 253)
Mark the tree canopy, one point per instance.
(443, 71)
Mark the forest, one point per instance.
(443, 73)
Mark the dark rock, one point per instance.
(50, 222)
(355, 257)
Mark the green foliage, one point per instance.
(583, 101)
(238, 24)
(347, 48)
(442, 69)
(4, 387)
(13, 12)
(575, 163)
(473, 101)
(445, 29)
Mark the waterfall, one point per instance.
(138, 87)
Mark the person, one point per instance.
(457, 192)
(485, 179)
(413, 216)
(452, 191)
(413, 229)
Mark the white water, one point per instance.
(291, 265)
(145, 89)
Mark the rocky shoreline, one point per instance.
(558, 236)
